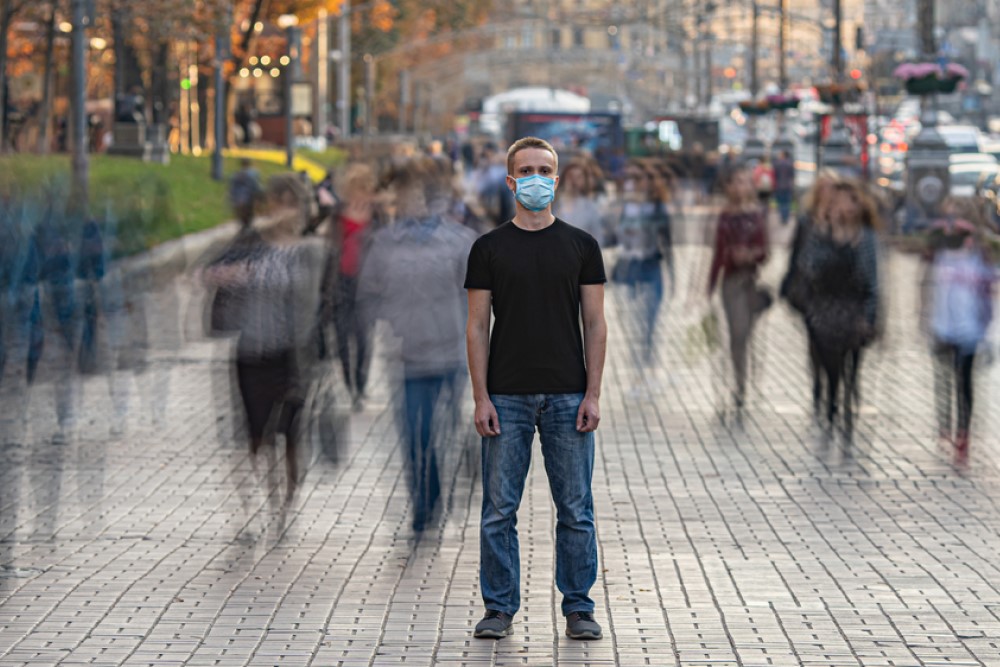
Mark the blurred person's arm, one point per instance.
(371, 280)
(595, 342)
(718, 254)
(477, 340)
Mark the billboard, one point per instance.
(599, 134)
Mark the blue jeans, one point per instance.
(569, 464)
(422, 415)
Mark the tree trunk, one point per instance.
(160, 82)
(237, 56)
(44, 115)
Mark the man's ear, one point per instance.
(511, 183)
(555, 186)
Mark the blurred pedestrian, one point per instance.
(838, 262)
(741, 248)
(412, 279)
(763, 181)
(794, 288)
(644, 239)
(536, 370)
(352, 222)
(256, 284)
(578, 198)
(494, 195)
(244, 192)
(784, 185)
(958, 300)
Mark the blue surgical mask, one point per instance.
(535, 192)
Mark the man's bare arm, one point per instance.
(595, 342)
(477, 340)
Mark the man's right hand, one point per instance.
(487, 421)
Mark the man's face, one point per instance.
(531, 161)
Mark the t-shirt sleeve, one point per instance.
(477, 271)
(592, 271)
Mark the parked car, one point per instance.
(962, 138)
(966, 178)
(972, 158)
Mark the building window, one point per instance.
(578, 37)
(556, 38)
(528, 37)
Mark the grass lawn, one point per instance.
(157, 202)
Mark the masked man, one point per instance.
(536, 370)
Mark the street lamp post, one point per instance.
(81, 159)
(837, 149)
(344, 80)
(927, 177)
(289, 22)
(221, 54)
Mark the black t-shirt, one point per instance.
(536, 346)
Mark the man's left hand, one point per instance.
(589, 415)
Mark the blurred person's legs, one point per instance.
(422, 396)
(352, 337)
(964, 363)
(738, 296)
(569, 465)
(506, 459)
(944, 378)
(264, 385)
(784, 201)
(816, 368)
(650, 293)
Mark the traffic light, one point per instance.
(856, 74)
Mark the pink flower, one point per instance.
(908, 71)
(956, 71)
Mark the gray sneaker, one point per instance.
(495, 625)
(581, 625)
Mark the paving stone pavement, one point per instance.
(720, 543)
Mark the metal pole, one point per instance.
(925, 16)
(81, 158)
(404, 98)
(221, 54)
(783, 44)
(369, 93)
(344, 80)
(322, 78)
(754, 50)
(287, 74)
(838, 43)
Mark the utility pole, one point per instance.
(320, 103)
(925, 18)
(783, 44)
(838, 43)
(291, 74)
(754, 50)
(81, 158)
(221, 55)
(369, 61)
(344, 80)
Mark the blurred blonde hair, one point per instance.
(970, 209)
(819, 193)
(358, 179)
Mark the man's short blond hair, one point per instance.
(529, 142)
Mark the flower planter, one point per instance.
(753, 109)
(922, 86)
(949, 85)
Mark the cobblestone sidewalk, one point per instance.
(721, 543)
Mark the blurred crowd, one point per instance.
(318, 278)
